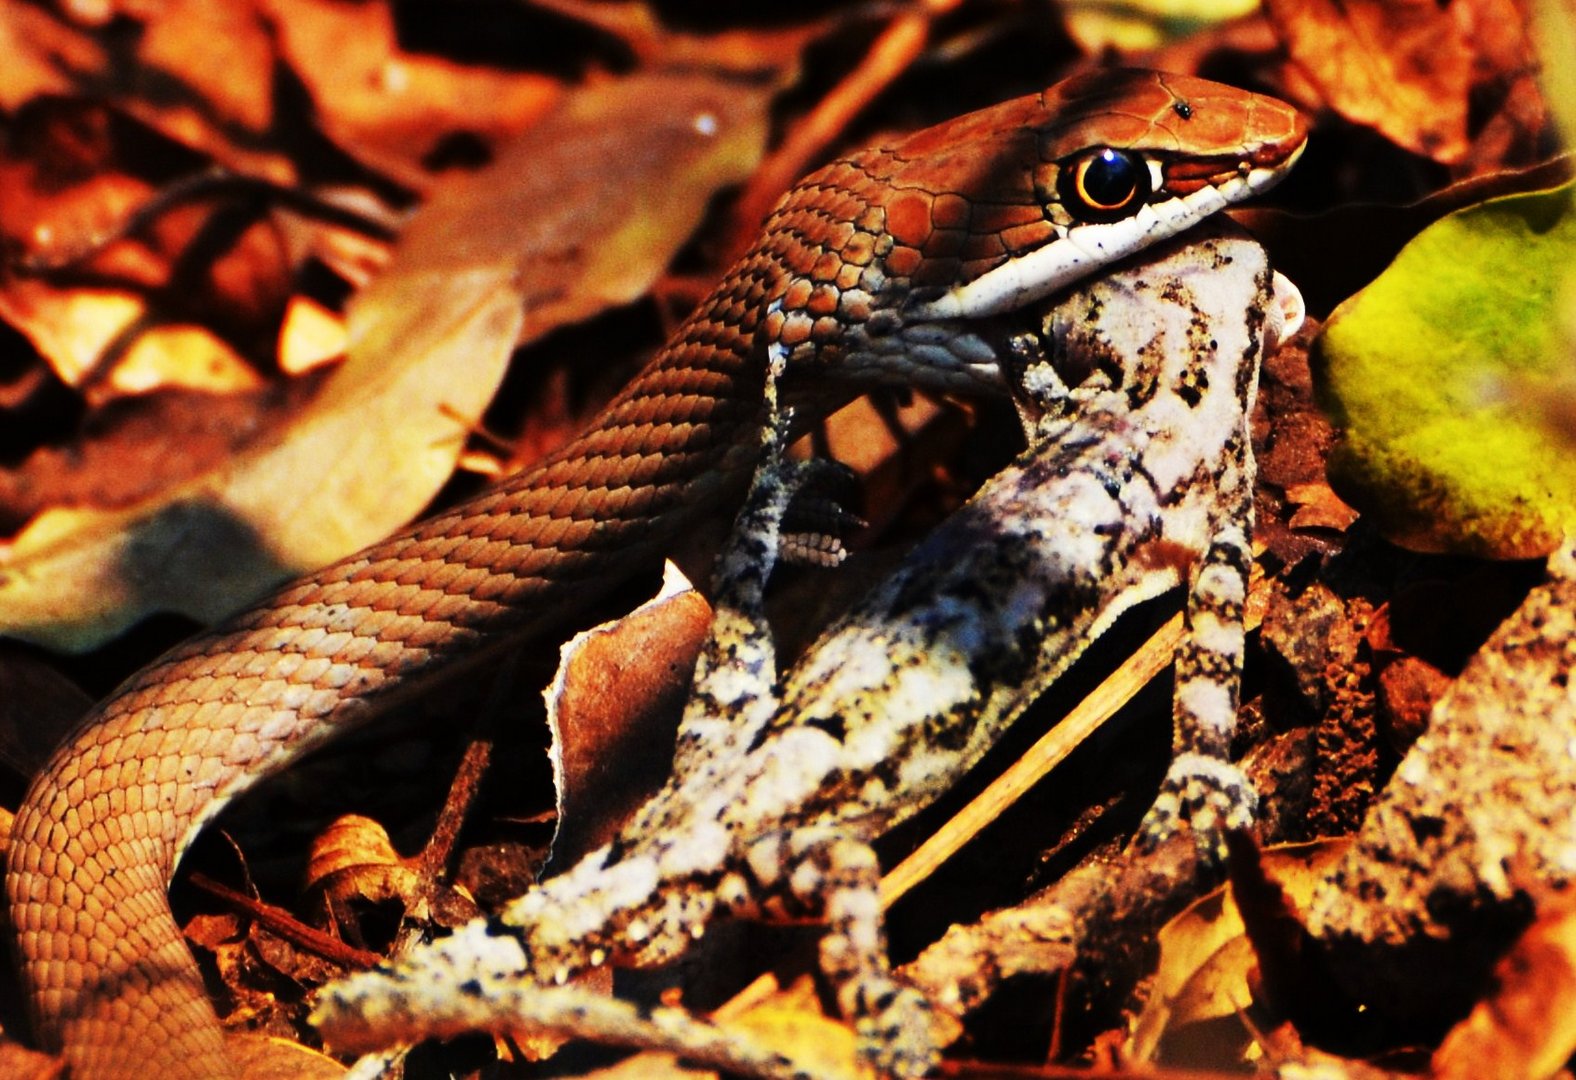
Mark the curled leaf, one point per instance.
(354, 858)
(613, 709)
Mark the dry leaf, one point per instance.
(359, 460)
(388, 106)
(1527, 1026)
(224, 54)
(353, 858)
(309, 336)
(72, 182)
(1206, 962)
(190, 357)
(65, 188)
(428, 343)
(39, 55)
(788, 1019)
(1131, 25)
(1400, 66)
(538, 221)
(1318, 507)
(20, 1063)
(132, 450)
(76, 328)
(613, 709)
(230, 941)
(792, 1020)
(262, 1057)
(1408, 691)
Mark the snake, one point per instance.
(894, 265)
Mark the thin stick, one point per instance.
(292, 929)
(1153, 657)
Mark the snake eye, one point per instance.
(1103, 184)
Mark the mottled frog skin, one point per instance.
(1135, 393)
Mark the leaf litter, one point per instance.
(391, 121)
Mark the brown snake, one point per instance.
(888, 266)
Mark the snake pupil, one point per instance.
(1104, 184)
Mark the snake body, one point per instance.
(891, 265)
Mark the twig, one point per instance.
(287, 926)
(1153, 657)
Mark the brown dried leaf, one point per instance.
(428, 344)
(223, 52)
(1400, 66)
(1513, 106)
(71, 183)
(538, 221)
(1131, 25)
(1318, 507)
(20, 1063)
(388, 106)
(354, 859)
(133, 450)
(74, 329)
(360, 459)
(309, 336)
(224, 937)
(1527, 1027)
(200, 74)
(39, 55)
(1408, 690)
(1207, 962)
(613, 709)
(65, 187)
(240, 953)
(789, 1019)
(262, 1057)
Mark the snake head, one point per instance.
(890, 260)
(1076, 178)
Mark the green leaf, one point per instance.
(1450, 376)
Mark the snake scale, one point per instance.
(889, 266)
